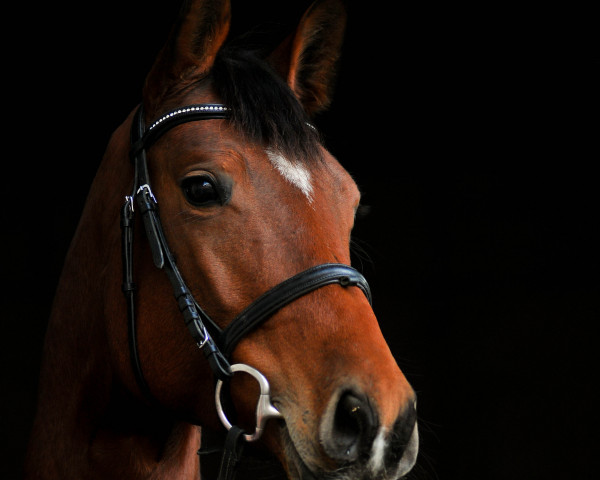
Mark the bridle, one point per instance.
(217, 344)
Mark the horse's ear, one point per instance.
(308, 59)
(191, 48)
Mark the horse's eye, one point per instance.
(200, 191)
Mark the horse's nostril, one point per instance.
(352, 429)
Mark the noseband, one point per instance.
(217, 344)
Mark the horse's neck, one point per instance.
(122, 440)
(133, 441)
(86, 424)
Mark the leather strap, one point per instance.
(129, 289)
(196, 320)
(286, 292)
(232, 453)
(190, 113)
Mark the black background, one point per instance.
(473, 134)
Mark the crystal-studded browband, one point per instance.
(189, 113)
(165, 122)
(220, 110)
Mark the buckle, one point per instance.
(145, 188)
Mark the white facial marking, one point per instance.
(377, 451)
(294, 173)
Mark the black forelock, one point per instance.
(263, 107)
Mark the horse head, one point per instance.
(247, 201)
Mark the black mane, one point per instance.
(263, 107)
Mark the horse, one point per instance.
(216, 203)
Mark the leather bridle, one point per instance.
(217, 344)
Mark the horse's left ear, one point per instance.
(190, 51)
(308, 59)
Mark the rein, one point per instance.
(217, 344)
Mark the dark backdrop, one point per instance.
(472, 132)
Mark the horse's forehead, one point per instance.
(215, 141)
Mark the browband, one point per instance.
(145, 138)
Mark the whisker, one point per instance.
(358, 252)
(424, 468)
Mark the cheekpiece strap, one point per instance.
(196, 320)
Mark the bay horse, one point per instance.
(217, 190)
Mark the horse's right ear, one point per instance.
(190, 51)
(308, 59)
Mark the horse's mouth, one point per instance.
(297, 469)
(261, 464)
